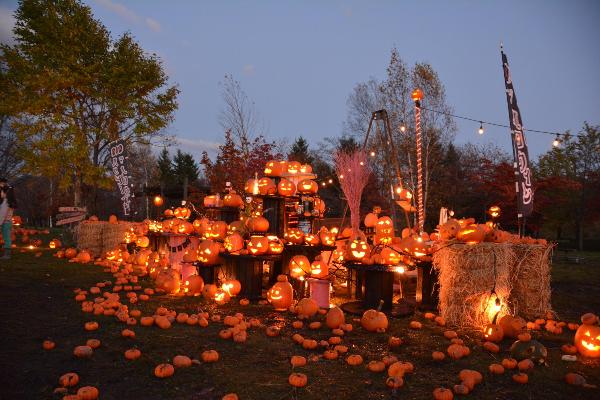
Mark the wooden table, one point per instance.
(248, 269)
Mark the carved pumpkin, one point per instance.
(294, 236)
(168, 280)
(234, 243)
(281, 294)
(235, 226)
(258, 245)
(471, 234)
(326, 237)
(70, 253)
(193, 285)
(311, 239)
(307, 186)
(384, 227)
(306, 169)
(266, 186)
(232, 199)
(286, 188)
(299, 266)
(293, 167)
(185, 228)
(257, 224)
(493, 332)
(319, 269)
(275, 168)
(221, 297)
(390, 256)
(54, 244)
(209, 291)
(217, 230)
(357, 250)
(587, 337)
(232, 287)
(208, 252)
(275, 245)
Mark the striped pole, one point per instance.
(417, 96)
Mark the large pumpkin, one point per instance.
(319, 269)
(371, 220)
(299, 266)
(193, 285)
(471, 234)
(281, 294)
(307, 186)
(168, 280)
(266, 186)
(258, 245)
(232, 199)
(258, 224)
(275, 168)
(208, 252)
(357, 250)
(234, 243)
(251, 186)
(275, 245)
(374, 321)
(293, 167)
(512, 326)
(217, 230)
(384, 226)
(587, 337)
(286, 188)
(294, 236)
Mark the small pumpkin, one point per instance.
(354, 359)
(132, 354)
(442, 394)
(181, 361)
(164, 370)
(520, 378)
(335, 317)
(209, 356)
(298, 361)
(69, 379)
(297, 379)
(496, 369)
(87, 393)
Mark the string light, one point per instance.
(556, 142)
(330, 180)
(372, 154)
(402, 127)
(480, 130)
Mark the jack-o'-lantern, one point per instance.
(311, 239)
(201, 225)
(208, 252)
(449, 229)
(587, 336)
(286, 188)
(213, 200)
(338, 255)
(385, 226)
(319, 205)
(129, 237)
(232, 287)
(251, 186)
(390, 256)
(382, 239)
(221, 297)
(168, 213)
(266, 186)
(404, 194)
(275, 168)
(294, 236)
(326, 237)
(55, 244)
(293, 167)
(307, 186)
(217, 230)
(275, 245)
(299, 266)
(234, 243)
(232, 199)
(193, 285)
(281, 294)
(185, 228)
(357, 249)
(257, 224)
(168, 280)
(494, 211)
(258, 245)
(371, 220)
(142, 241)
(319, 269)
(182, 213)
(235, 227)
(471, 234)
(306, 169)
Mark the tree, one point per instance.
(165, 168)
(72, 89)
(300, 152)
(184, 166)
(10, 162)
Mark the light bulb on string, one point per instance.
(480, 130)
(402, 127)
(372, 154)
(556, 142)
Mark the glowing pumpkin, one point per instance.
(390, 256)
(185, 228)
(221, 297)
(299, 266)
(281, 294)
(232, 287)
(275, 245)
(266, 186)
(217, 230)
(258, 245)
(234, 243)
(307, 186)
(293, 167)
(384, 226)
(326, 237)
(311, 239)
(357, 249)
(208, 252)
(275, 168)
(319, 269)
(471, 234)
(55, 244)
(193, 285)
(232, 199)
(587, 337)
(294, 236)
(251, 186)
(168, 280)
(286, 188)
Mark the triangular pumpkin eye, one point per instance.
(587, 333)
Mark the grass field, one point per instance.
(37, 302)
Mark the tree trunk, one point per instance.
(77, 194)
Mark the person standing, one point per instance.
(7, 205)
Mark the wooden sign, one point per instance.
(70, 220)
(69, 215)
(72, 209)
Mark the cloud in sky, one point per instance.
(7, 22)
(248, 70)
(129, 15)
(197, 145)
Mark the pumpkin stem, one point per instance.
(380, 305)
(495, 318)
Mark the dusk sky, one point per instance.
(300, 60)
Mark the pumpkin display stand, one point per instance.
(227, 214)
(373, 284)
(248, 269)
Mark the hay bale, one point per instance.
(530, 296)
(466, 278)
(89, 237)
(114, 234)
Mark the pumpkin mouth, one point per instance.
(359, 254)
(590, 346)
(276, 297)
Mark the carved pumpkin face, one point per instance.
(221, 297)
(258, 245)
(319, 269)
(307, 186)
(390, 256)
(185, 228)
(54, 244)
(234, 243)
(471, 234)
(299, 266)
(326, 237)
(235, 227)
(286, 188)
(306, 169)
(232, 287)
(129, 237)
(232, 199)
(404, 194)
(275, 168)
(281, 294)
(311, 239)
(275, 245)
(217, 230)
(266, 186)
(384, 227)
(208, 252)
(193, 285)
(494, 211)
(587, 340)
(294, 236)
(357, 250)
(338, 255)
(293, 167)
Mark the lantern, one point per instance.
(266, 186)
(234, 243)
(221, 297)
(258, 245)
(232, 287)
(311, 239)
(286, 188)
(390, 256)
(217, 230)
(307, 186)
(319, 269)
(471, 234)
(404, 194)
(275, 168)
(142, 241)
(357, 250)
(193, 285)
(293, 167)
(299, 266)
(158, 201)
(258, 224)
(55, 244)
(208, 252)
(275, 245)
(232, 199)
(305, 169)
(587, 336)
(209, 291)
(294, 236)
(281, 294)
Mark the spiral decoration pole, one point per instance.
(417, 96)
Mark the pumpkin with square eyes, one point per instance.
(281, 294)
(587, 336)
(266, 186)
(258, 245)
(357, 249)
(294, 236)
(299, 266)
(286, 188)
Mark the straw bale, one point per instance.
(89, 236)
(114, 234)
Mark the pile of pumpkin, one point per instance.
(467, 231)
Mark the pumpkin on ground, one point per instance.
(164, 370)
(587, 336)
(297, 379)
(374, 321)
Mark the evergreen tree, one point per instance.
(165, 167)
(185, 166)
(299, 152)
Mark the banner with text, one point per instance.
(120, 168)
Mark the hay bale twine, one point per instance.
(89, 237)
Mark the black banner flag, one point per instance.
(522, 171)
(120, 164)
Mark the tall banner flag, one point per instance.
(120, 164)
(522, 171)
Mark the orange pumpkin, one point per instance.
(293, 167)
(471, 234)
(299, 266)
(275, 245)
(281, 294)
(294, 236)
(232, 199)
(208, 252)
(587, 336)
(374, 321)
(286, 188)
(164, 370)
(275, 168)
(319, 269)
(307, 186)
(258, 245)
(193, 285)
(266, 186)
(234, 243)
(258, 224)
